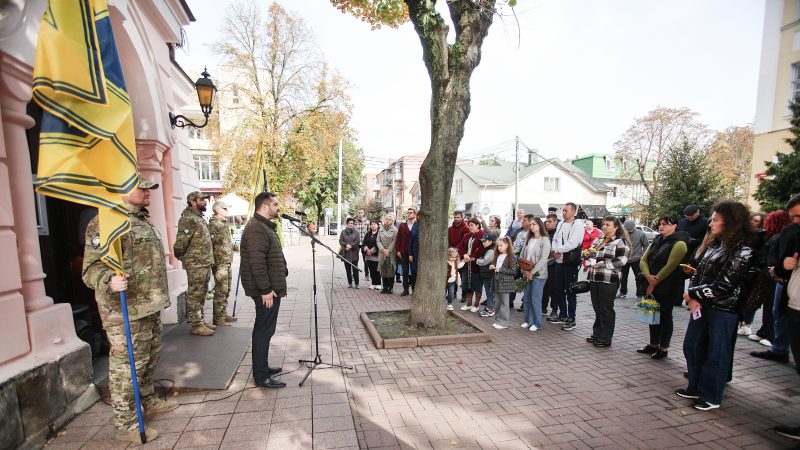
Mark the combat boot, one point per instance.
(160, 406)
(221, 323)
(202, 331)
(209, 326)
(150, 433)
(230, 319)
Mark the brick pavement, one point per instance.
(548, 389)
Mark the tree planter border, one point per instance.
(423, 341)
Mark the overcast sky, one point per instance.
(569, 80)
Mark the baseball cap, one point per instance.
(690, 209)
(219, 204)
(144, 183)
(194, 195)
(629, 225)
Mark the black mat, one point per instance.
(201, 362)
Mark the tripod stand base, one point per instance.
(317, 361)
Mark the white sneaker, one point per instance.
(533, 328)
(465, 307)
(525, 325)
(449, 307)
(754, 337)
(745, 330)
(474, 309)
(377, 287)
(765, 343)
(499, 327)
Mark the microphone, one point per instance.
(291, 218)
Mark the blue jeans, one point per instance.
(780, 344)
(567, 303)
(451, 292)
(532, 301)
(487, 286)
(708, 351)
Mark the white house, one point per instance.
(489, 190)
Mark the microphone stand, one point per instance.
(317, 361)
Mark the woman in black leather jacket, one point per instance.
(713, 298)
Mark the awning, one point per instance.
(530, 208)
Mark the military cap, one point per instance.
(219, 205)
(194, 195)
(144, 183)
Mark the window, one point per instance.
(552, 184)
(795, 90)
(195, 133)
(235, 94)
(609, 163)
(458, 186)
(207, 168)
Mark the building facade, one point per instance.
(778, 84)
(626, 191)
(45, 369)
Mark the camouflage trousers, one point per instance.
(196, 294)
(146, 340)
(222, 287)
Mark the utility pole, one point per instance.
(516, 180)
(339, 192)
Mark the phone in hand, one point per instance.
(687, 266)
(696, 314)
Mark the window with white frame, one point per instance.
(795, 90)
(195, 133)
(458, 186)
(235, 94)
(207, 168)
(552, 184)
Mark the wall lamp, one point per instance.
(205, 95)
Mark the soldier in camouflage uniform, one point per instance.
(223, 255)
(145, 283)
(193, 248)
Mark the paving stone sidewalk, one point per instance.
(546, 389)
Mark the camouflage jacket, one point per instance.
(144, 263)
(221, 240)
(193, 243)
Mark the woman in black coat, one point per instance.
(665, 281)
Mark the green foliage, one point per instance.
(685, 177)
(392, 13)
(320, 191)
(782, 176)
(373, 209)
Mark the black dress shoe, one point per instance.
(271, 383)
(404, 293)
(273, 371)
(591, 339)
(660, 354)
(772, 356)
(649, 349)
(602, 344)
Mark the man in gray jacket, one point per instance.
(263, 272)
(639, 244)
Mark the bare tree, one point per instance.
(644, 147)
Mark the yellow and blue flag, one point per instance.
(87, 148)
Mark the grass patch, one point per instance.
(394, 324)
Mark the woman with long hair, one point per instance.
(713, 298)
(536, 250)
(612, 248)
(505, 267)
(369, 247)
(665, 281)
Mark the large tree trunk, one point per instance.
(450, 68)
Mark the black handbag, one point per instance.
(572, 257)
(578, 287)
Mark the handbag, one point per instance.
(578, 287)
(572, 257)
(648, 310)
(526, 264)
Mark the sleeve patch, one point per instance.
(96, 241)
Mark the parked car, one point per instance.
(648, 232)
(333, 228)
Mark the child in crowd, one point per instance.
(505, 267)
(453, 264)
(487, 274)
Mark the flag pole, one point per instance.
(132, 363)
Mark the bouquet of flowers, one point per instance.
(590, 254)
(520, 283)
(648, 310)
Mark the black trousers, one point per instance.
(374, 275)
(793, 330)
(623, 283)
(661, 334)
(367, 268)
(352, 272)
(603, 303)
(263, 330)
(408, 280)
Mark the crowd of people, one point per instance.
(735, 263)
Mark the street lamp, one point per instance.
(205, 96)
